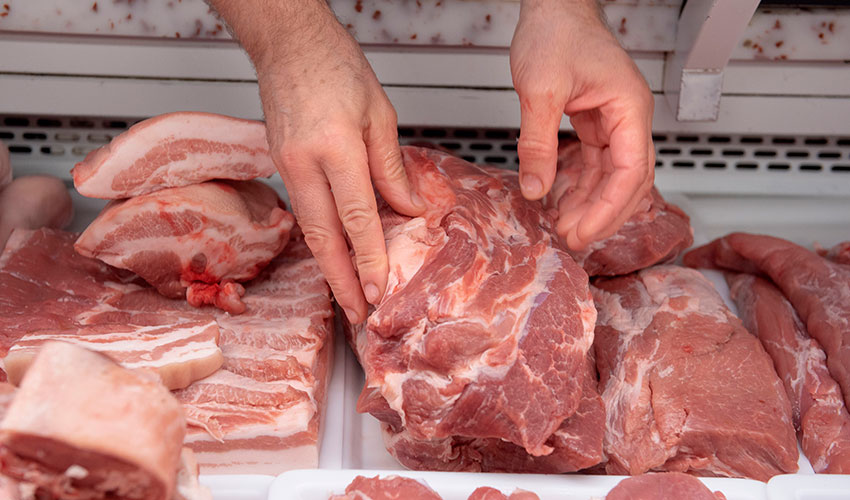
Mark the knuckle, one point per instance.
(358, 218)
(319, 239)
(367, 261)
(536, 148)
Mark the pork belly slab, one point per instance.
(175, 149)
(261, 412)
(486, 323)
(685, 386)
(656, 234)
(820, 417)
(815, 286)
(195, 241)
(83, 427)
(49, 292)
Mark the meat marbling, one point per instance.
(195, 241)
(685, 386)
(816, 287)
(486, 322)
(82, 427)
(820, 417)
(657, 232)
(175, 149)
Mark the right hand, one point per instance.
(332, 134)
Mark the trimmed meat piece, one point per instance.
(388, 488)
(34, 202)
(662, 486)
(194, 241)
(486, 323)
(172, 150)
(686, 388)
(576, 445)
(816, 287)
(821, 420)
(188, 487)
(656, 234)
(487, 493)
(840, 253)
(49, 291)
(83, 427)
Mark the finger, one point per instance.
(348, 175)
(317, 216)
(387, 168)
(537, 149)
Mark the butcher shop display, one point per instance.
(81, 426)
(686, 387)
(198, 241)
(486, 324)
(175, 149)
(656, 233)
(814, 285)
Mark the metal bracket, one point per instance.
(707, 32)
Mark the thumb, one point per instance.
(538, 145)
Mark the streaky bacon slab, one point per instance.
(175, 149)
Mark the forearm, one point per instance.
(277, 29)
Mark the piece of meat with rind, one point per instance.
(33, 202)
(486, 321)
(662, 486)
(656, 233)
(820, 417)
(172, 150)
(817, 288)
(686, 388)
(193, 241)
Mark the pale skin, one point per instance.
(332, 129)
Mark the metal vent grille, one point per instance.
(695, 163)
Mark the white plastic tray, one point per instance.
(319, 484)
(809, 487)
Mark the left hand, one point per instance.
(565, 60)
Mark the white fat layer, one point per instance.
(258, 461)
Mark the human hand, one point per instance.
(564, 60)
(332, 133)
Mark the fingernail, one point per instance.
(532, 185)
(417, 200)
(371, 292)
(351, 315)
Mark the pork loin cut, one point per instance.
(83, 427)
(175, 149)
(49, 291)
(656, 234)
(262, 412)
(194, 241)
(662, 486)
(33, 202)
(576, 444)
(486, 321)
(388, 488)
(685, 386)
(821, 420)
(816, 287)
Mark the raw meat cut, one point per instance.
(840, 253)
(175, 149)
(48, 291)
(685, 386)
(262, 412)
(188, 487)
(657, 232)
(83, 427)
(263, 409)
(487, 493)
(388, 488)
(486, 321)
(816, 287)
(662, 486)
(821, 420)
(195, 241)
(34, 202)
(576, 445)
(5, 166)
